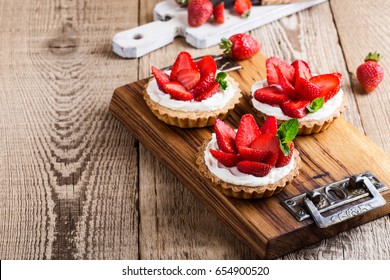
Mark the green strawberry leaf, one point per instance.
(315, 105)
(286, 133)
(221, 79)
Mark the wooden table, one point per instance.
(74, 183)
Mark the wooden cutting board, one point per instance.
(170, 21)
(265, 225)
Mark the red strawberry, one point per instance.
(339, 75)
(183, 61)
(328, 83)
(295, 109)
(271, 95)
(219, 13)
(177, 91)
(306, 90)
(204, 84)
(188, 78)
(270, 143)
(207, 65)
(214, 88)
(288, 89)
(284, 160)
(226, 137)
(243, 7)
(227, 159)
(199, 11)
(253, 154)
(247, 131)
(161, 78)
(270, 126)
(301, 69)
(272, 76)
(370, 73)
(240, 46)
(254, 168)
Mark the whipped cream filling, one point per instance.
(233, 176)
(218, 101)
(322, 114)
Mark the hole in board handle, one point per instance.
(138, 36)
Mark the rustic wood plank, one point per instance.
(68, 169)
(357, 38)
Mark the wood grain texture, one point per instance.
(263, 224)
(69, 171)
(63, 190)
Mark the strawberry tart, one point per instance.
(251, 162)
(192, 94)
(292, 91)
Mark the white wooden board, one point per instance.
(170, 21)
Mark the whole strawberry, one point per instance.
(240, 46)
(199, 11)
(243, 7)
(370, 73)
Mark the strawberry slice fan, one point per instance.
(191, 94)
(253, 162)
(292, 91)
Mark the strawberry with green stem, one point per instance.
(370, 73)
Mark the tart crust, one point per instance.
(310, 126)
(245, 192)
(185, 119)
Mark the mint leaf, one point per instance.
(315, 105)
(221, 79)
(285, 148)
(286, 133)
(288, 130)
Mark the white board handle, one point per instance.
(143, 39)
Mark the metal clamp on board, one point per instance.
(338, 201)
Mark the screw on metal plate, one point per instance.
(340, 200)
(224, 63)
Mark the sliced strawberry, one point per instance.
(284, 160)
(272, 76)
(247, 131)
(227, 159)
(253, 154)
(270, 95)
(270, 126)
(329, 84)
(213, 89)
(226, 136)
(219, 13)
(341, 77)
(307, 90)
(177, 91)
(295, 109)
(161, 78)
(301, 69)
(287, 87)
(188, 78)
(204, 84)
(254, 168)
(183, 61)
(207, 65)
(270, 143)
